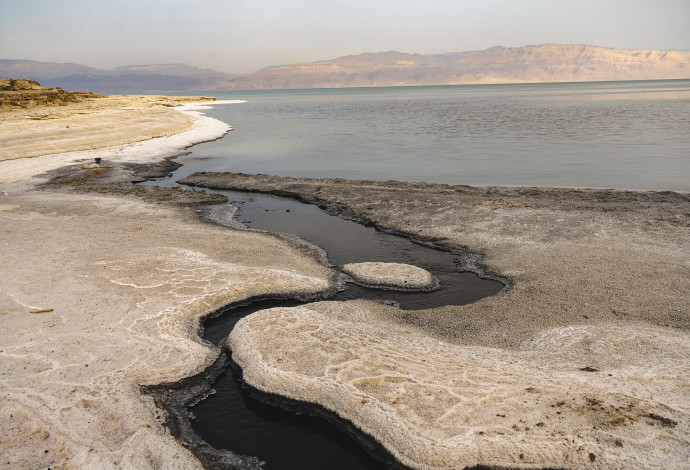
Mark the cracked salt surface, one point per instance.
(238, 419)
(582, 364)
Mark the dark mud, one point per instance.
(363, 200)
(119, 179)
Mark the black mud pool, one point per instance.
(291, 435)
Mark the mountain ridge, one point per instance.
(541, 63)
(525, 64)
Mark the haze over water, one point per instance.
(624, 135)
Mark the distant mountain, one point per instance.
(126, 79)
(40, 71)
(543, 63)
(179, 70)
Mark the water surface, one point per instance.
(624, 135)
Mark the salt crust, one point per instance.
(121, 285)
(117, 286)
(203, 129)
(391, 275)
(434, 405)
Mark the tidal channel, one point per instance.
(236, 417)
(292, 435)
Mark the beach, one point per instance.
(583, 362)
(117, 287)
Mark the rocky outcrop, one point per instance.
(19, 84)
(24, 93)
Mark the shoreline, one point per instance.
(417, 211)
(137, 255)
(200, 129)
(596, 325)
(121, 285)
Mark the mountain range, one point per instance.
(527, 64)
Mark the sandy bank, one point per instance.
(95, 123)
(142, 129)
(100, 295)
(583, 363)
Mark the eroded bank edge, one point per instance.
(469, 260)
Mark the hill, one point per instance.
(22, 93)
(126, 79)
(544, 63)
(527, 64)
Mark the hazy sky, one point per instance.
(242, 35)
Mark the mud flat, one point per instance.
(102, 288)
(584, 363)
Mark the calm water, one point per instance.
(626, 135)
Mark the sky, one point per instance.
(241, 36)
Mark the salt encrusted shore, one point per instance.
(583, 363)
(101, 295)
(141, 129)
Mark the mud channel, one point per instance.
(284, 434)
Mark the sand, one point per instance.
(100, 295)
(138, 129)
(95, 123)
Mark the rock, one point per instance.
(24, 93)
(19, 84)
(392, 276)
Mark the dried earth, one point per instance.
(583, 363)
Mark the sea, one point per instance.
(622, 135)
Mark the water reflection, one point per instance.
(625, 135)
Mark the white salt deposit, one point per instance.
(203, 129)
(436, 405)
(391, 275)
